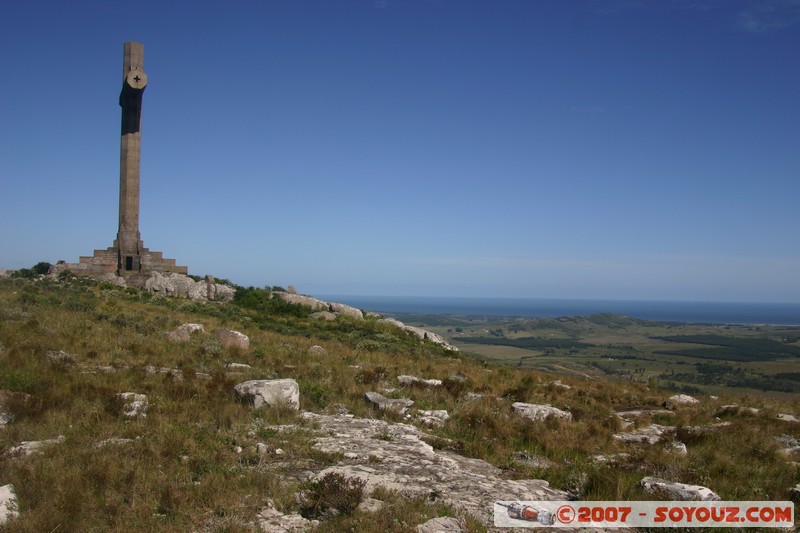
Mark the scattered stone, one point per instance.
(114, 441)
(614, 458)
(184, 332)
(269, 392)
(680, 399)
(787, 418)
(734, 409)
(421, 333)
(238, 366)
(436, 417)
(789, 445)
(560, 385)
(443, 524)
(533, 460)
(299, 299)
(323, 315)
(405, 463)
(678, 491)
(409, 381)
(316, 350)
(271, 520)
(383, 403)
(278, 452)
(135, 405)
(5, 419)
(182, 286)
(110, 277)
(60, 356)
(238, 450)
(705, 430)
(9, 507)
(261, 448)
(539, 412)
(472, 397)
(646, 435)
(230, 338)
(370, 505)
(678, 447)
(342, 309)
(28, 447)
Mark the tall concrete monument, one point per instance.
(128, 257)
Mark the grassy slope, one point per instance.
(182, 472)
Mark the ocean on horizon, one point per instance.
(664, 311)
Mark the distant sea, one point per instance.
(666, 311)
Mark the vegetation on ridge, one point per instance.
(192, 463)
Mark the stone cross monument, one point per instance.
(128, 257)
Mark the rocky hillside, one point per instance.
(123, 409)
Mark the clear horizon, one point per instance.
(586, 150)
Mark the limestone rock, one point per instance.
(535, 461)
(421, 333)
(237, 366)
(182, 286)
(679, 491)
(114, 441)
(9, 507)
(435, 417)
(184, 332)
(370, 505)
(5, 273)
(29, 447)
(443, 524)
(678, 447)
(409, 381)
(269, 392)
(734, 409)
(169, 284)
(342, 309)
(386, 404)
(110, 277)
(230, 338)
(316, 350)
(402, 461)
(680, 399)
(323, 315)
(270, 520)
(135, 405)
(787, 418)
(472, 397)
(646, 435)
(299, 299)
(560, 385)
(539, 412)
(60, 356)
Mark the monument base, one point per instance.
(109, 261)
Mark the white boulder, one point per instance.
(679, 491)
(9, 507)
(269, 392)
(539, 412)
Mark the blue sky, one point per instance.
(526, 148)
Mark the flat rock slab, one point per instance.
(395, 457)
(679, 491)
(539, 412)
(8, 504)
(443, 524)
(398, 405)
(29, 447)
(646, 435)
(269, 392)
(135, 405)
(409, 381)
(231, 338)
